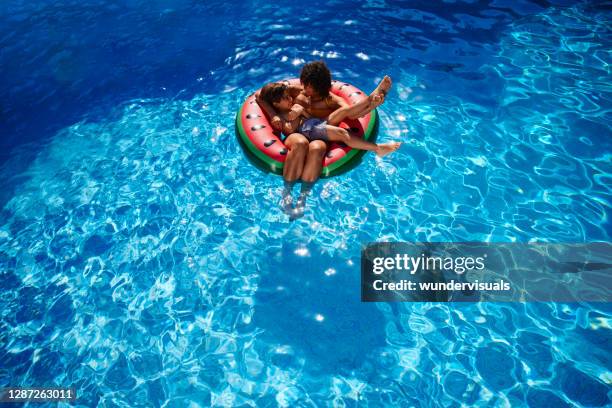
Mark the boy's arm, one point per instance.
(275, 120)
(340, 101)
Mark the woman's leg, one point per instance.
(296, 157)
(294, 164)
(312, 171)
(314, 161)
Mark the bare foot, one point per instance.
(287, 201)
(298, 211)
(384, 149)
(382, 88)
(376, 99)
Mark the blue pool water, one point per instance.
(145, 262)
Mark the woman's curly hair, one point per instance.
(317, 75)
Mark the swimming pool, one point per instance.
(144, 261)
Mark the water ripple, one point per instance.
(143, 259)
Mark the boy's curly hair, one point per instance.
(272, 92)
(317, 75)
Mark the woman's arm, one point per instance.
(275, 120)
(296, 111)
(295, 90)
(291, 126)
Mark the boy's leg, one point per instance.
(337, 134)
(375, 101)
(340, 114)
(363, 107)
(377, 96)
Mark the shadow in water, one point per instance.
(310, 305)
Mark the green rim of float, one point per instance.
(270, 164)
(349, 158)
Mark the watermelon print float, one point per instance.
(265, 148)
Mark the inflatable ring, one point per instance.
(264, 147)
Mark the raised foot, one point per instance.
(387, 148)
(377, 96)
(376, 100)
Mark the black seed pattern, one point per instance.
(329, 155)
(269, 143)
(257, 127)
(283, 152)
(253, 116)
(355, 93)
